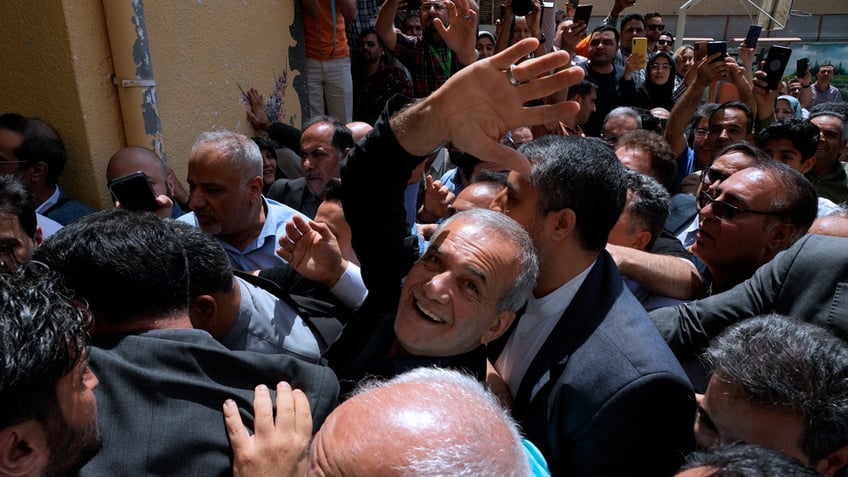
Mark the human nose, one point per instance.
(438, 287)
(196, 200)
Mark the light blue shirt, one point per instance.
(261, 252)
(266, 324)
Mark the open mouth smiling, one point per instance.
(428, 315)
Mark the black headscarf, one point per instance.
(658, 96)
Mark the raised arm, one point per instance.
(348, 9)
(683, 111)
(460, 34)
(385, 26)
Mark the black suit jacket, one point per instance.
(295, 194)
(604, 395)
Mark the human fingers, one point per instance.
(303, 414)
(285, 407)
(263, 411)
(296, 228)
(429, 182)
(543, 85)
(515, 52)
(237, 433)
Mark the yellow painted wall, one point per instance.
(55, 63)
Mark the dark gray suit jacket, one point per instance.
(160, 397)
(604, 395)
(295, 194)
(809, 281)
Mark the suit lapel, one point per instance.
(582, 316)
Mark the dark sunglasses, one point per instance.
(655, 27)
(664, 42)
(711, 176)
(725, 211)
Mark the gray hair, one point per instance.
(481, 438)
(501, 225)
(773, 361)
(624, 111)
(243, 154)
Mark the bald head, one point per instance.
(834, 225)
(133, 159)
(359, 129)
(424, 422)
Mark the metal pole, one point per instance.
(134, 73)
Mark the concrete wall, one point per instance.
(55, 63)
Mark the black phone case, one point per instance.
(133, 192)
(776, 61)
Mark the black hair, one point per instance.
(803, 134)
(44, 338)
(581, 174)
(747, 460)
(16, 199)
(127, 265)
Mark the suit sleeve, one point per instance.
(689, 328)
(374, 178)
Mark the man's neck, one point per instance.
(556, 271)
(371, 68)
(242, 239)
(178, 320)
(41, 192)
(822, 86)
(823, 168)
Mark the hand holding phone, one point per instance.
(133, 192)
(582, 14)
(775, 64)
(753, 36)
(801, 67)
(640, 47)
(714, 47)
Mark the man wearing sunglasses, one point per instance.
(747, 218)
(653, 27)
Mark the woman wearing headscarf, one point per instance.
(657, 90)
(786, 106)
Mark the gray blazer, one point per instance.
(809, 281)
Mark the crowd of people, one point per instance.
(501, 255)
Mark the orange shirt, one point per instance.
(319, 37)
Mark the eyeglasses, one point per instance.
(439, 6)
(655, 27)
(711, 176)
(664, 42)
(660, 66)
(725, 211)
(6, 163)
(701, 132)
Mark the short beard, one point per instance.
(70, 447)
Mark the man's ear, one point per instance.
(561, 224)
(39, 236)
(23, 449)
(780, 236)
(641, 240)
(807, 165)
(254, 186)
(502, 322)
(833, 462)
(37, 172)
(202, 311)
